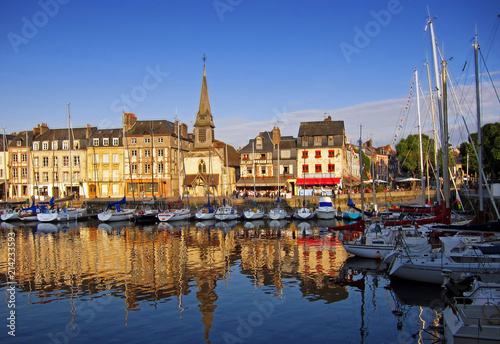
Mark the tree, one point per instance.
(491, 151)
(408, 151)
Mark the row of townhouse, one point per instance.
(94, 162)
(317, 159)
(320, 158)
(143, 158)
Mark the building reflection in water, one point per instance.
(149, 265)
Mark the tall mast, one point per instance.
(420, 137)
(28, 166)
(361, 173)
(253, 161)
(152, 162)
(438, 92)
(70, 162)
(436, 160)
(479, 135)
(228, 175)
(179, 157)
(6, 180)
(446, 173)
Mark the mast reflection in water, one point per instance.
(236, 282)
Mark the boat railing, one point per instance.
(483, 311)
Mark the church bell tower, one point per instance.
(204, 125)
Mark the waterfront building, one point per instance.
(4, 166)
(59, 160)
(211, 166)
(20, 185)
(260, 157)
(321, 155)
(105, 163)
(153, 156)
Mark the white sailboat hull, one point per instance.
(304, 214)
(68, 215)
(177, 215)
(205, 214)
(253, 215)
(112, 216)
(369, 251)
(277, 214)
(226, 213)
(427, 271)
(10, 216)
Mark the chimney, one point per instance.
(129, 120)
(44, 128)
(88, 132)
(328, 119)
(184, 130)
(40, 129)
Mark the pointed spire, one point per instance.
(204, 116)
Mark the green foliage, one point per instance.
(467, 149)
(408, 151)
(491, 151)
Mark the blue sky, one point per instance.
(268, 62)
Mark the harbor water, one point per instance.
(202, 282)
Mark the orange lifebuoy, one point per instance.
(140, 212)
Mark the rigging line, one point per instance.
(492, 39)
(489, 75)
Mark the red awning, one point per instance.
(318, 181)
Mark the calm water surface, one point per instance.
(235, 282)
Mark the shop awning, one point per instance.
(318, 181)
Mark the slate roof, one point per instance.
(62, 135)
(105, 133)
(321, 128)
(159, 127)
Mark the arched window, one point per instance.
(202, 167)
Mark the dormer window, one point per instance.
(36, 145)
(105, 142)
(45, 145)
(65, 145)
(258, 143)
(116, 141)
(19, 143)
(55, 145)
(95, 142)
